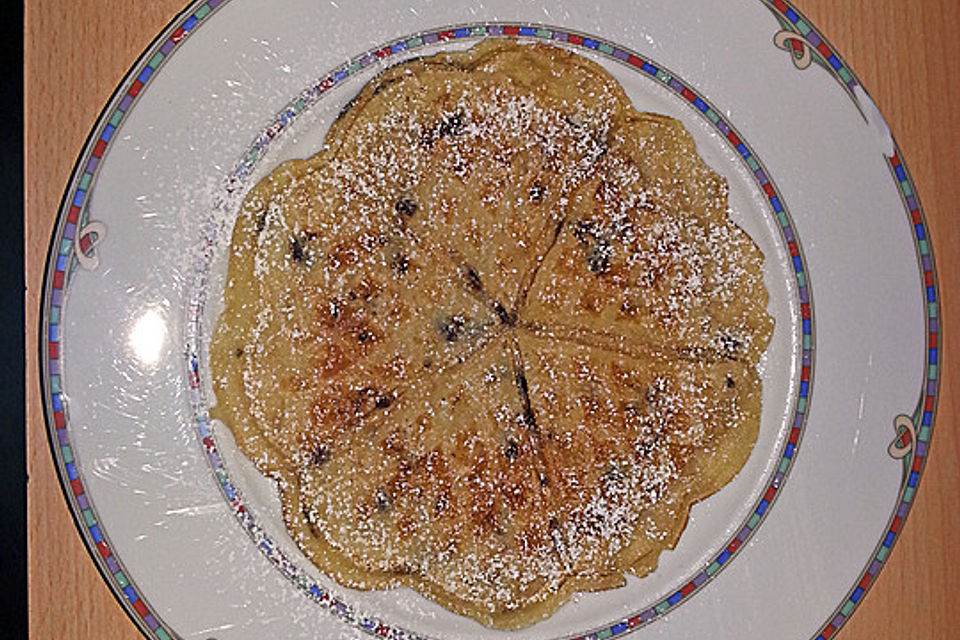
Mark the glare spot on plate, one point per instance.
(147, 337)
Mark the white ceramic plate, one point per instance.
(189, 535)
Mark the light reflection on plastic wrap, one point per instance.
(147, 337)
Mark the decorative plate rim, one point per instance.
(111, 570)
(913, 433)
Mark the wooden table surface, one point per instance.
(906, 56)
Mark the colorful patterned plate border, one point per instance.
(75, 238)
(652, 71)
(913, 433)
(73, 245)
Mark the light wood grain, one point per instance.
(906, 56)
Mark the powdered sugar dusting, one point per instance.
(484, 336)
